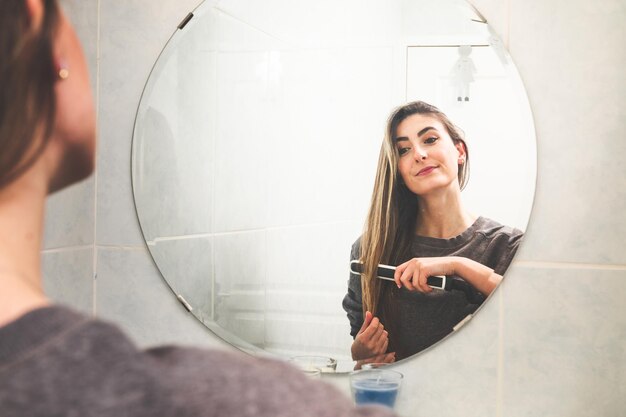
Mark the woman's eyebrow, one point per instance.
(424, 130)
(420, 133)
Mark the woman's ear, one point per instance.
(460, 146)
(35, 13)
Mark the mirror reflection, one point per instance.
(417, 220)
(256, 145)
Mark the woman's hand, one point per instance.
(371, 340)
(384, 358)
(412, 274)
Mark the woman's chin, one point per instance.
(77, 165)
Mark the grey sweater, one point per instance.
(56, 362)
(425, 319)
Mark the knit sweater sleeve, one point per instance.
(353, 300)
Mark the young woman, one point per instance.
(417, 221)
(53, 360)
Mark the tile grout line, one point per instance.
(91, 246)
(243, 231)
(65, 249)
(507, 33)
(569, 265)
(500, 365)
(123, 247)
(213, 175)
(94, 256)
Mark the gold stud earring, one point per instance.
(63, 72)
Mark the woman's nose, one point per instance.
(420, 154)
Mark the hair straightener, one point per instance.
(439, 282)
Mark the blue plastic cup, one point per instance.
(375, 386)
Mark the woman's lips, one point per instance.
(426, 171)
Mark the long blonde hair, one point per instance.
(390, 222)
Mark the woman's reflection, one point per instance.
(417, 221)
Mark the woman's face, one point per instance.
(428, 159)
(74, 127)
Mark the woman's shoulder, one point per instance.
(498, 245)
(355, 249)
(493, 229)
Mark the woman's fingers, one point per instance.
(383, 349)
(372, 328)
(415, 281)
(366, 321)
(413, 275)
(371, 340)
(387, 357)
(419, 277)
(398, 274)
(422, 281)
(378, 338)
(379, 342)
(404, 273)
(384, 358)
(406, 277)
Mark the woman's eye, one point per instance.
(402, 151)
(431, 140)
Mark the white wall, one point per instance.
(553, 339)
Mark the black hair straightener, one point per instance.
(439, 282)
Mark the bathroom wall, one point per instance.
(552, 341)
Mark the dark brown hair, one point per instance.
(27, 77)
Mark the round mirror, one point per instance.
(256, 145)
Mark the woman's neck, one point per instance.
(21, 228)
(442, 215)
